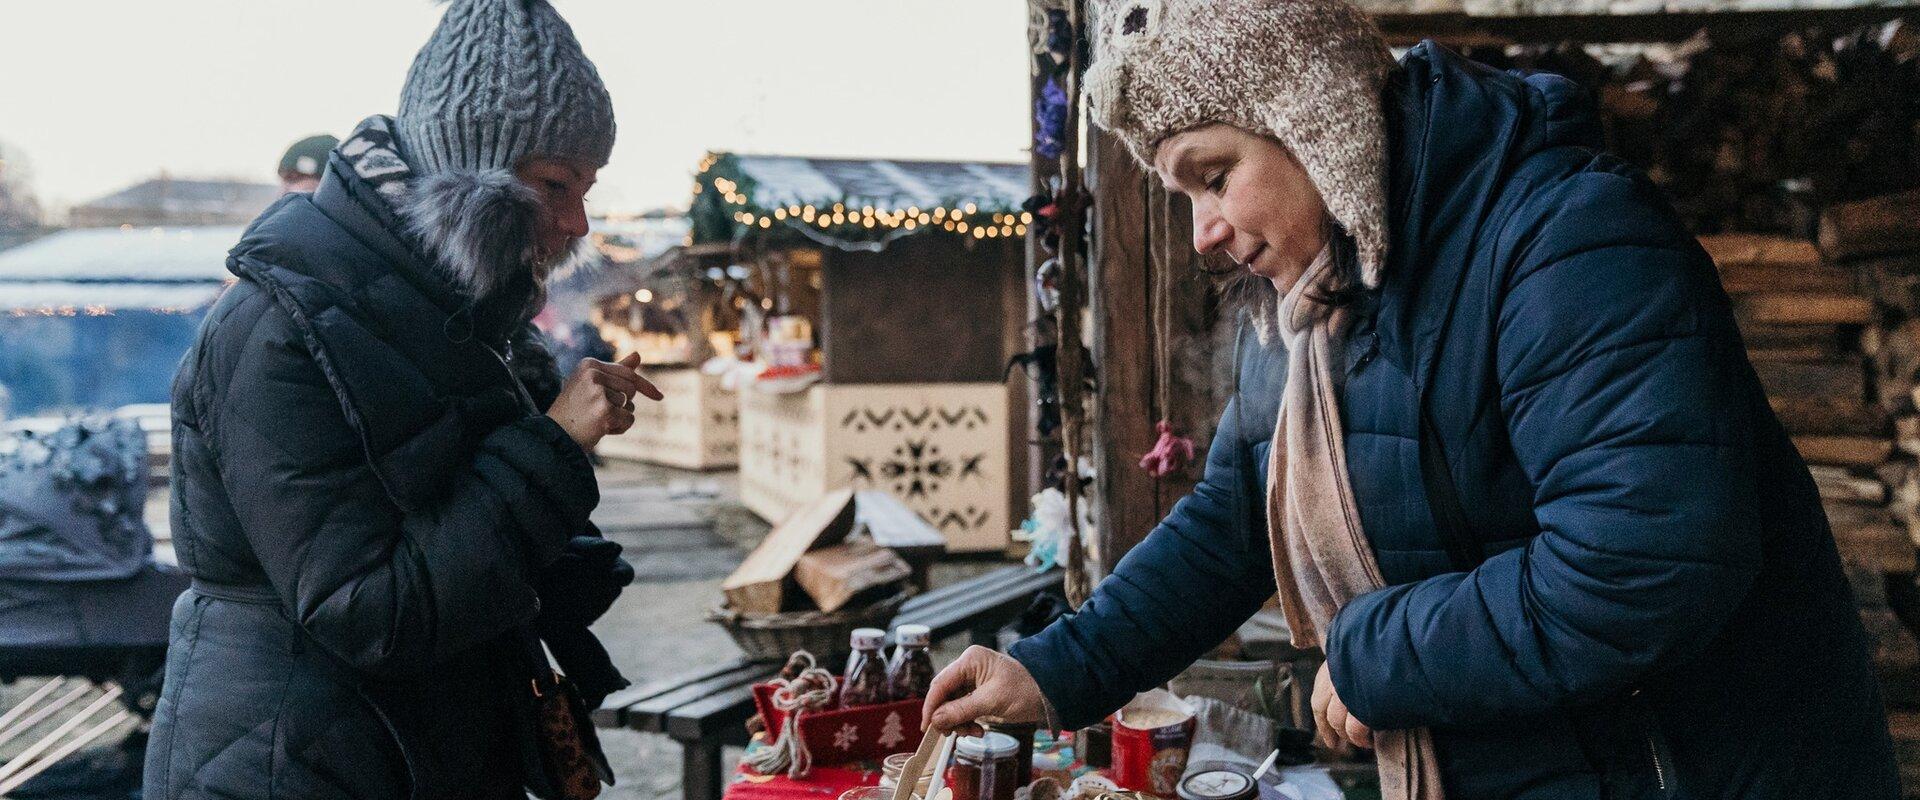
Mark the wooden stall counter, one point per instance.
(697, 425)
(941, 448)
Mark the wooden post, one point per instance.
(1142, 248)
(1069, 222)
(1119, 272)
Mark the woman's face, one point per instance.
(562, 187)
(1251, 199)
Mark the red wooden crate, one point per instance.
(842, 735)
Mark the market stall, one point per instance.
(879, 303)
(672, 309)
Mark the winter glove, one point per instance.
(584, 661)
(582, 583)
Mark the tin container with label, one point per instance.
(1150, 740)
(1218, 784)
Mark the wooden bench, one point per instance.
(707, 709)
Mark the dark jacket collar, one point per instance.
(1456, 129)
(352, 203)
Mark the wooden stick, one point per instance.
(1804, 308)
(1845, 451)
(1874, 226)
(25, 758)
(22, 707)
(45, 711)
(64, 750)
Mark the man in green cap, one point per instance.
(300, 168)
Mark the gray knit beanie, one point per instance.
(498, 81)
(1309, 73)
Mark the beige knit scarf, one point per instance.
(1321, 557)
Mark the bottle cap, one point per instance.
(868, 638)
(913, 635)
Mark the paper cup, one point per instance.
(1150, 740)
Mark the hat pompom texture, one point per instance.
(1309, 73)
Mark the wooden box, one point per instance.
(941, 448)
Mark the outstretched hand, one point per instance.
(982, 685)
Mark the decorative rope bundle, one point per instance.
(810, 689)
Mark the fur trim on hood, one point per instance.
(479, 226)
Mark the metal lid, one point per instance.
(990, 746)
(1218, 784)
(868, 638)
(913, 635)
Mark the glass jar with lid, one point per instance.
(985, 767)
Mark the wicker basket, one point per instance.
(824, 634)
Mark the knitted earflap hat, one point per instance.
(1307, 72)
(500, 80)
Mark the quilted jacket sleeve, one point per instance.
(390, 593)
(1627, 399)
(1200, 574)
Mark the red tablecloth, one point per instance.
(826, 783)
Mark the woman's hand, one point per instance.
(1336, 727)
(983, 685)
(598, 399)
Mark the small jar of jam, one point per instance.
(984, 767)
(1094, 744)
(1023, 734)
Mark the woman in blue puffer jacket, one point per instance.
(1496, 445)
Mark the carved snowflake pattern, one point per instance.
(845, 738)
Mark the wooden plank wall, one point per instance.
(1140, 235)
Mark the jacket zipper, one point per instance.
(526, 398)
(1653, 746)
(1659, 769)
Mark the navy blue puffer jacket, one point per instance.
(1652, 604)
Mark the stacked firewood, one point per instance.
(1834, 333)
(1756, 133)
(1878, 239)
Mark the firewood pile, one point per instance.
(1755, 135)
(1833, 330)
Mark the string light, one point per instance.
(871, 226)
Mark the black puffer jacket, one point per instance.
(362, 498)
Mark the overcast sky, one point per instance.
(99, 94)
